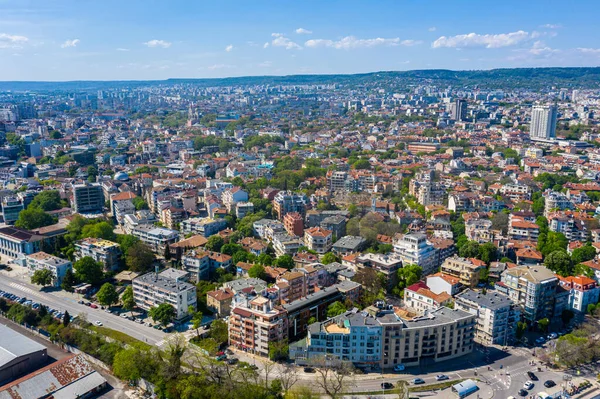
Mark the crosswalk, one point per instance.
(24, 289)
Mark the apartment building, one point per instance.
(468, 271)
(232, 196)
(387, 264)
(88, 198)
(243, 208)
(294, 224)
(415, 249)
(11, 207)
(16, 242)
(555, 200)
(42, 260)
(516, 192)
(219, 301)
(479, 230)
(533, 288)
(386, 337)
(292, 286)
(202, 264)
(254, 323)
(519, 229)
(583, 291)
(157, 238)
(497, 316)
(104, 251)
(203, 226)
(288, 201)
(419, 298)
(318, 239)
(285, 244)
(153, 289)
(573, 228)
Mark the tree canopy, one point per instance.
(163, 313)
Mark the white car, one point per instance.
(528, 385)
(441, 377)
(552, 335)
(399, 367)
(98, 323)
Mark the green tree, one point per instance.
(139, 257)
(553, 242)
(33, 218)
(257, 271)
(163, 313)
(329, 257)
(68, 281)
(470, 250)
(488, 252)
(219, 331)
(42, 277)
(126, 241)
(543, 324)
(521, 328)
(264, 259)
(583, 254)
(126, 364)
(99, 230)
(92, 173)
(559, 262)
(407, 276)
(361, 164)
(88, 270)
(284, 261)
(215, 242)
(127, 298)
(335, 309)
(107, 295)
(139, 203)
(279, 350)
(66, 319)
(48, 200)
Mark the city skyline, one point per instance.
(67, 40)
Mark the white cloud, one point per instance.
(552, 26)
(122, 49)
(220, 66)
(70, 43)
(229, 48)
(282, 41)
(266, 45)
(351, 42)
(158, 43)
(587, 50)
(432, 29)
(265, 64)
(12, 41)
(302, 31)
(539, 48)
(487, 41)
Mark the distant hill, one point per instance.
(505, 78)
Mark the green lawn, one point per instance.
(121, 337)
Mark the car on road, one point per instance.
(532, 376)
(523, 392)
(88, 304)
(221, 358)
(441, 377)
(309, 370)
(552, 335)
(549, 384)
(387, 385)
(232, 360)
(149, 324)
(399, 367)
(140, 321)
(528, 385)
(418, 381)
(98, 323)
(123, 315)
(93, 306)
(81, 302)
(540, 340)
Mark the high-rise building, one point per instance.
(543, 122)
(459, 110)
(88, 198)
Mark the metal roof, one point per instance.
(14, 345)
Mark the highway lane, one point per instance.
(62, 303)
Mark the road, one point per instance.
(62, 302)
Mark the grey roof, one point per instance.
(311, 298)
(174, 274)
(240, 284)
(438, 316)
(490, 300)
(162, 282)
(14, 345)
(349, 242)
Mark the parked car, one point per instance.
(540, 340)
(81, 302)
(418, 381)
(399, 367)
(528, 385)
(523, 392)
(552, 335)
(309, 370)
(387, 385)
(123, 315)
(221, 357)
(441, 377)
(549, 384)
(98, 323)
(93, 306)
(232, 360)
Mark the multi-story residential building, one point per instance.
(15, 242)
(336, 181)
(243, 208)
(294, 224)
(232, 196)
(121, 204)
(255, 323)
(42, 260)
(204, 226)
(554, 200)
(11, 207)
(543, 122)
(468, 271)
(288, 201)
(318, 239)
(426, 190)
(387, 264)
(348, 245)
(583, 291)
(516, 192)
(415, 249)
(497, 316)
(519, 229)
(285, 244)
(533, 288)
(419, 297)
(202, 264)
(479, 230)
(157, 238)
(219, 301)
(172, 217)
(383, 338)
(293, 286)
(573, 228)
(442, 282)
(88, 198)
(106, 252)
(266, 228)
(153, 289)
(336, 224)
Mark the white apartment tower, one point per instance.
(543, 122)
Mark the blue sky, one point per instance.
(133, 39)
